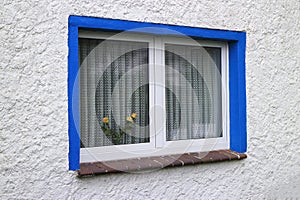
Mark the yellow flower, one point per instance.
(105, 120)
(133, 115)
(129, 119)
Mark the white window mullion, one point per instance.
(152, 92)
(159, 107)
(225, 93)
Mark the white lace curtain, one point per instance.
(114, 84)
(193, 92)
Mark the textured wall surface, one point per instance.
(33, 102)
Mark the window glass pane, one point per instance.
(113, 86)
(193, 92)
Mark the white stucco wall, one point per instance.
(33, 102)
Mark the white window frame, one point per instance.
(158, 144)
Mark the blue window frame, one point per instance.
(237, 84)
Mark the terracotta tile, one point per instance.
(157, 162)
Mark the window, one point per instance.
(140, 89)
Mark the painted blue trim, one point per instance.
(73, 99)
(237, 82)
(237, 90)
(161, 29)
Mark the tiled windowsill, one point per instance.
(157, 162)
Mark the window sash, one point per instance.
(158, 144)
(193, 145)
